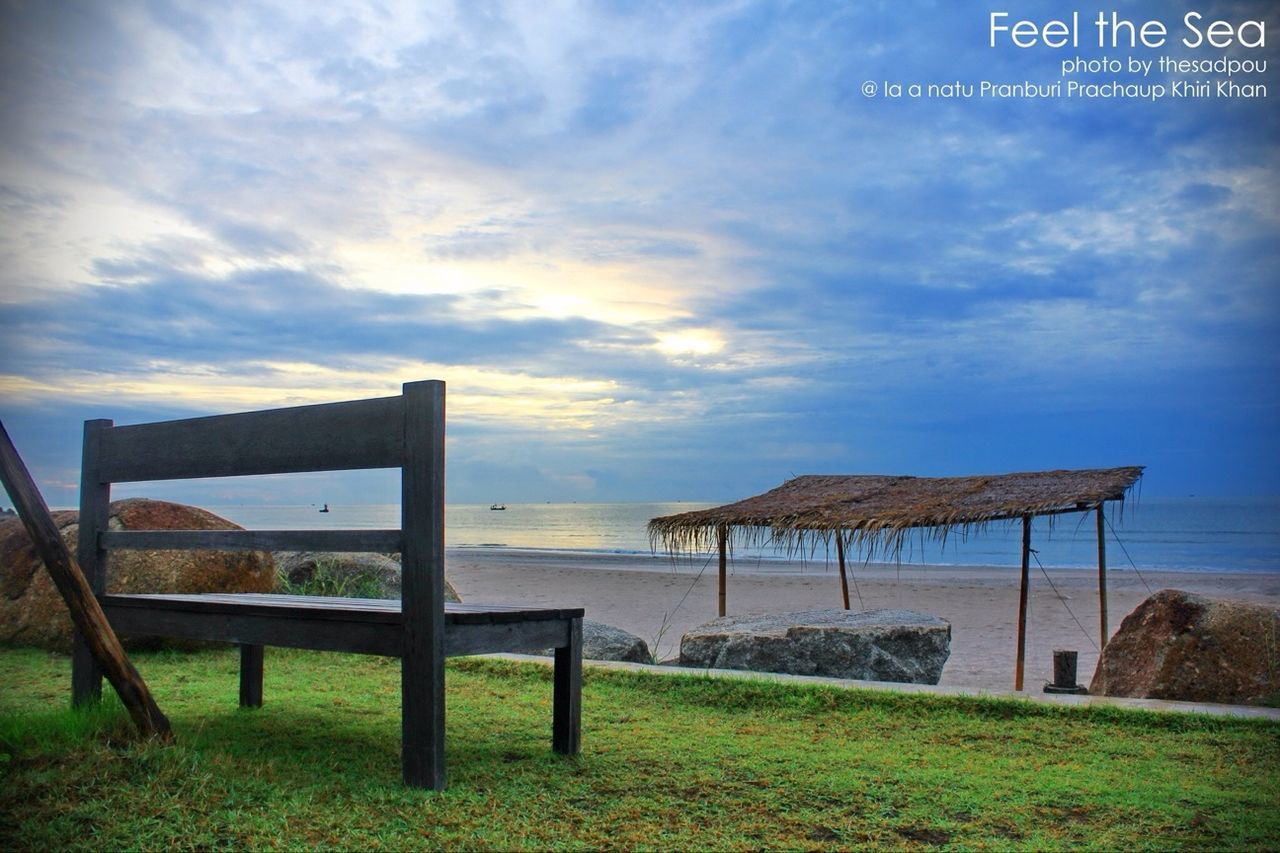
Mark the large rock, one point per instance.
(872, 645)
(33, 613)
(361, 575)
(605, 642)
(1177, 645)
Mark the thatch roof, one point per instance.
(878, 511)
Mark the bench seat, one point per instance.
(364, 625)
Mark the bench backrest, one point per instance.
(405, 432)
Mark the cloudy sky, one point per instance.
(658, 250)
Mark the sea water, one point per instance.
(1177, 534)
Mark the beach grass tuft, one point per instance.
(329, 580)
(667, 762)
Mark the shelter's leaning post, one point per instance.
(844, 579)
(1102, 577)
(1022, 602)
(724, 564)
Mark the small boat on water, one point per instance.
(325, 508)
(497, 507)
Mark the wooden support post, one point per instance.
(566, 710)
(1022, 602)
(95, 509)
(1102, 578)
(844, 579)
(86, 613)
(422, 587)
(250, 676)
(724, 566)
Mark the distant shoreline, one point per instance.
(1181, 534)
(816, 568)
(1185, 536)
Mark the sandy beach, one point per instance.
(658, 602)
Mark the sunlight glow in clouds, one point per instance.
(692, 342)
(542, 402)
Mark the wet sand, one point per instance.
(658, 600)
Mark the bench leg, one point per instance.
(566, 725)
(422, 718)
(250, 676)
(86, 676)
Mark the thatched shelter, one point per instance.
(877, 513)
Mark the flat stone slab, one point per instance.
(869, 645)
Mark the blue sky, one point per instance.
(659, 251)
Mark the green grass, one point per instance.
(667, 763)
(327, 580)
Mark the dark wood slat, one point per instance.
(463, 609)
(329, 437)
(326, 634)
(360, 541)
(478, 638)
(332, 630)
(313, 606)
(483, 615)
(422, 715)
(274, 599)
(86, 613)
(371, 610)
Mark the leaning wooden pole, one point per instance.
(86, 613)
(1022, 602)
(1102, 578)
(724, 565)
(844, 579)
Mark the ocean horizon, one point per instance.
(1164, 534)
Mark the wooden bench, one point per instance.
(405, 432)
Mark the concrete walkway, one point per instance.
(1209, 708)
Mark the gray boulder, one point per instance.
(605, 642)
(358, 575)
(872, 645)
